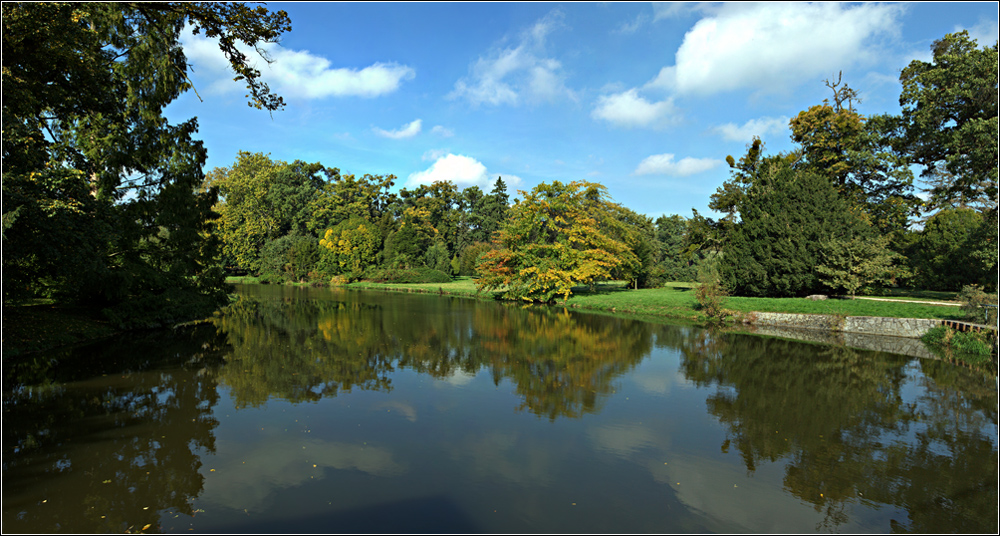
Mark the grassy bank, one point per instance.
(676, 300)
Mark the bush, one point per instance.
(711, 297)
(412, 275)
(974, 301)
(971, 342)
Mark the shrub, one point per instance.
(412, 275)
(974, 300)
(970, 342)
(711, 297)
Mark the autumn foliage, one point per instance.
(558, 237)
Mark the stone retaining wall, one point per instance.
(911, 328)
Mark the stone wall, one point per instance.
(911, 328)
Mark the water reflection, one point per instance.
(837, 419)
(561, 365)
(306, 410)
(102, 439)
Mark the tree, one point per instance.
(853, 152)
(99, 191)
(262, 200)
(858, 263)
(675, 263)
(946, 254)
(353, 246)
(494, 210)
(345, 196)
(949, 116)
(559, 236)
(786, 217)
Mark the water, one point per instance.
(315, 410)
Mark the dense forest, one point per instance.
(107, 204)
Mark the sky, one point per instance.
(647, 99)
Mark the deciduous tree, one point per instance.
(559, 236)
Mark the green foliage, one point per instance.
(711, 298)
(419, 274)
(471, 257)
(949, 117)
(290, 257)
(344, 197)
(786, 217)
(974, 301)
(105, 191)
(969, 342)
(859, 263)
(436, 256)
(262, 200)
(352, 246)
(559, 236)
(943, 255)
(677, 261)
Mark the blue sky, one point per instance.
(645, 98)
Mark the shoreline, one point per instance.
(84, 328)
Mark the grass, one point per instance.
(676, 300)
(461, 286)
(32, 328)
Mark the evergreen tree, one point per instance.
(786, 217)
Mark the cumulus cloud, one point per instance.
(295, 73)
(462, 170)
(664, 164)
(754, 127)
(773, 46)
(517, 74)
(629, 109)
(408, 130)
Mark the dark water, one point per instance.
(311, 410)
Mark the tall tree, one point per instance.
(853, 152)
(262, 200)
(786, 216)
(949, 117)
(90, 160)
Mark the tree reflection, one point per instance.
(561, 364)
(102, 439)
(837, 418)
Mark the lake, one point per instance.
(323, 410)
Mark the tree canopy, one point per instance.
(99, 190)
(557, 237)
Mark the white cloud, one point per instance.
(754, 127)
(516, 74)
(295, 73)
(986, 32)
(773, 46)
(664, 164)
(462, 170)
(628, 109)
(408, 130)
(442, 131)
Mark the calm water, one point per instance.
(311, 410)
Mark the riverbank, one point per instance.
(33, 328)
